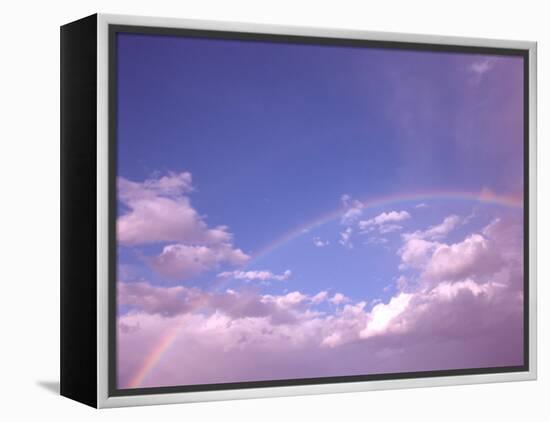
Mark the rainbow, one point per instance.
(156, 353)
(154, 356)
(483, 197)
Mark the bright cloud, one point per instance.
(435, 324)
(383, 218)
(158, 210)
(441, 261)
(383, 316)
(438, 231)
(475, 254)
(255, 275)
(185, 261)
(415, 253)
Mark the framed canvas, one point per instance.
(253, 210)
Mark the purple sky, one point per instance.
(291, 211)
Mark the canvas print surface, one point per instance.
(290, 211)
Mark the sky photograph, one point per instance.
(290, 211)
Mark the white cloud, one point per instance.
(451, 322)
(172, 184)
(421, 205)
(390, 228)
(186, 261)
(345, 238)
(289, 300)
(449, 291)
(469, 217)
(401, 283)
(373, 240)
(459, 260)
(159, 211)
(354, 209)
(438, 231)
(415, 252)
(384, 218)
(255, 275)
(333, 340)
(346, 199)
(320, 297)
(351, 215)
(384, 315)
(318, 242)
(338, 299)
(165, 301)
(172, 301)
(477, 256)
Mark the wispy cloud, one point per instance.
(384, 222)
(481, 67)
(318, 242)
(438, 231)
(389, 228)
(376, 240)
(353, 209)
(256, 275)
(345, 238)
(320, 297)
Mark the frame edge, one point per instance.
(78, 345)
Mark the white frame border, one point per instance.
(103, 400)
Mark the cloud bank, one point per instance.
(159, 211)
(460, 305)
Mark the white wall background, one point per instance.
(29, 208)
